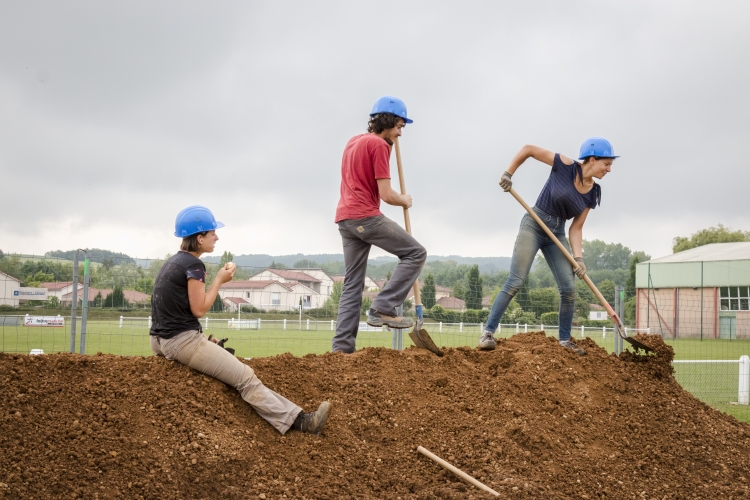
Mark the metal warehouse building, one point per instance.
(699, 293)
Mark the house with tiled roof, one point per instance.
(272, 295)
(369, 285)
(451, 303)
(134, 297)
(59, 288)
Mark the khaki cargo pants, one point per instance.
(193, 349)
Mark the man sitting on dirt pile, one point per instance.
(365, 180)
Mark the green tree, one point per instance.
(607, 289)
(53, 301)
(306, 264)
(718, 234)
(1, 254)
(226, 257)
(600, 255)
(428, 292)
(630, 283)
(108, 263)
(473, 295)
(584, 299)
(218, 305)
(277, 265)
(542, 300)
(116, 298)
(366, 304)
(145, 285)
(336, 291)
(459, 289)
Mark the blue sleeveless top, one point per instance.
(560, 198)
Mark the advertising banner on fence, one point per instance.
(58, 321)
(29, 293)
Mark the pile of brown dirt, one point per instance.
(530, 419)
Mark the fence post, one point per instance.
(441, 327)
(460, 327)
(541, 326)
(604, 332)
(481, 325)
(331, 325)
(206, 323)
(743, 395)
(284, 324)
(120, 322)
(259, 320)
(149, 322)
(525, 327)
(583, 332)
(516, 327)
(308, 324)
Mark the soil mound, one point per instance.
(530, 419)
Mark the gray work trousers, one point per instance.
(358, 236)
(193, 349)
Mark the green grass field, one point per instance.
(714, 383)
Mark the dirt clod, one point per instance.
(530, 419)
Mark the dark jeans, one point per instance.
(532, 238)
(358, 235)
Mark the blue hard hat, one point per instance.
(193, 220)
(392, 105)
(597, 146)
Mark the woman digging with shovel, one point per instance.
(570, 192)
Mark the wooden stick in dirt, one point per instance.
(456, 471)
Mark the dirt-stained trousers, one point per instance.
(358, 236)
(193, 349)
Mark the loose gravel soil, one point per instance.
(530, 419)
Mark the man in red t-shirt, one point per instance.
(365, 180)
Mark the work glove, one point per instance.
(505, 181)
(580, 271)
(221, 344)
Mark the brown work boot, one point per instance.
(312, 423)
(375, 318)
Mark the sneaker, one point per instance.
(572, 345)
(376, 319)
(487, 342)
(312, 423)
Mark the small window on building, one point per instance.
(275, 298)
(735, 298)
(247, 295)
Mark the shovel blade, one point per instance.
(636, 344)
(427, 341)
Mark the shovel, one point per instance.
(619, 327)
(418, 335)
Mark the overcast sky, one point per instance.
(116, 115)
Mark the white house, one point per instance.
(597, 312)
(369, 286)
(59, 288)
(7, 284)
(326, 282)
(289, 275)
(232, 304)
(271, 295)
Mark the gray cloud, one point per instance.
(115, 116)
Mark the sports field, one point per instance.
(714, 383)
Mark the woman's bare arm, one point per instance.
(202, 300)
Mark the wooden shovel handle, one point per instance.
(456, 471)
(407, 221)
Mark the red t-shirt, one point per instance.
(366, 159)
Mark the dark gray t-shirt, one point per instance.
(170, 305)
(560, 198)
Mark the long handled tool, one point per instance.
(456, 471)
(419, 335)
(619, 328)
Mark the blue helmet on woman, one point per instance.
(597, 146)
(392, 105)
(193, 220)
